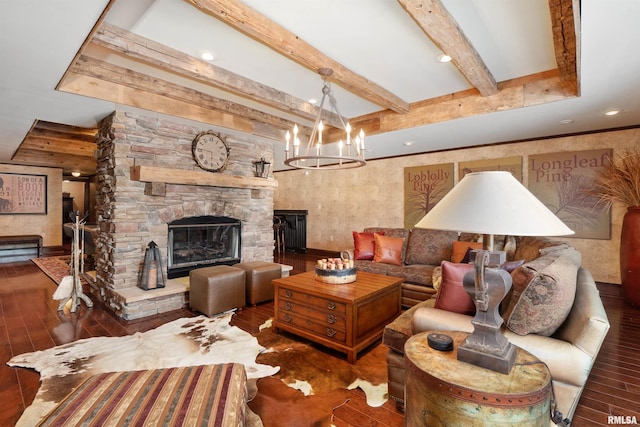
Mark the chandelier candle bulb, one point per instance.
(287, 137)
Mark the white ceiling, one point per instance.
(374, 38)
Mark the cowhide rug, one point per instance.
(313, 380)
(183, 342)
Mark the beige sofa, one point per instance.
(569, 352)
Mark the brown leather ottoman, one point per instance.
(259, 275)
(213, 290)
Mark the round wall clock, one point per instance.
(210, 152)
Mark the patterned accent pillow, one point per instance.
(542, 293)
(451, 295)
(364, 245)
(388, 250)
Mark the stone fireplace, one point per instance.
(146, 180)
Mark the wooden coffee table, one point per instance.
(346, 317)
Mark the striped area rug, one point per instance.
(211, 395)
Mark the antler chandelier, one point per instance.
(349, 152)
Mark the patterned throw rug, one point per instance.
(183, 342)
(56, 267)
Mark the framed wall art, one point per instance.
(561, 181)
(509, 164)
(23, 194)
(424, 186)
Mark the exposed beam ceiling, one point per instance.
(150, 75)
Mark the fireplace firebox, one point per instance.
(202, 241)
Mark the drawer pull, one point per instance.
(331, 332)
(331, 319)
(331, 305)
(288, 293)
(287, 306)
(286, 318)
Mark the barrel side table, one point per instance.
(442, 391)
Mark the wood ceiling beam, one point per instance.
(99, 79)
(57, 145)
(565, 25)
(522, 92)
(444, 31)
(276, 37)
(164, 57)
(67, 162)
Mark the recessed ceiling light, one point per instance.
(408, 143)
(207, 55)
(566, 121)
(443, 57)
(312, 101)
(612, 112)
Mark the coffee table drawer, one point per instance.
(307, 299)
(321, 329)
(327, 317)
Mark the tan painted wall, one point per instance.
(340, 202)
(49, 226)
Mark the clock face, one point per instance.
(210, 151)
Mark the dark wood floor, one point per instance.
(30, 321)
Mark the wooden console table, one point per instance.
(346, 317)
(442, 391)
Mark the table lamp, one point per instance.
(489, 203)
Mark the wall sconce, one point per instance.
(262, 168)
(152, 276)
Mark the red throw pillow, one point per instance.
(451, 294)
(388, 250)
(364, 245)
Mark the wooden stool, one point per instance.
(259, 275)
(440, 390)
(213, 290)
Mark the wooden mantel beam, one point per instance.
(161, 56)
(276, 37)
(438, 24)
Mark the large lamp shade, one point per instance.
(493, 202)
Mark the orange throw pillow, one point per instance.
(451, 294)
(388, 250)
(460, 249)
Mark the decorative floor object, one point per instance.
(183, 342)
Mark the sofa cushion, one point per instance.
(417, 273)
(451, 294)
(363, 245)
(460, 250)
(429, 246)
(388, 250)
(372, 267)
(543, 292)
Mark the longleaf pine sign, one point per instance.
(561, 180)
